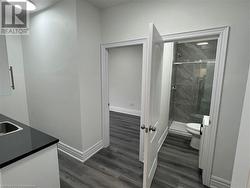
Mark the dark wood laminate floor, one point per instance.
(118, 165)
(178, 165)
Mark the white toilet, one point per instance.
(194, 129)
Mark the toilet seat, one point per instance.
(193, 128)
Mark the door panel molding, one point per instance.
(152, 100)
(153, 169)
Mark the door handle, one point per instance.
(143, 127)
(12, 78)
(151, 128)
(201, 129)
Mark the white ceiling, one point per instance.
(42, 4)
(108, 3)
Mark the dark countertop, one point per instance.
(18, 145)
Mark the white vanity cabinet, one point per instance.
(28, 157)
(39, 170)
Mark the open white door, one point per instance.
(152, 104)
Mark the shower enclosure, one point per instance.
(192, 82)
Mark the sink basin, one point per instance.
(8, 128)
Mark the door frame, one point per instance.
(105, 88)
(222, 34)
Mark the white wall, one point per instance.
(62, 71)
(51, 73)
(125, 78)
(130, 21)
(15, 104)
(89, 70)
(241, 172)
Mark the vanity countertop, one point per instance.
(18, 145)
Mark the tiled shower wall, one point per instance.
(191, 94)
(192, 81)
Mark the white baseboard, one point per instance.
(125, 110)
(79, 155)
(92, 150)
(179, 133)
(162, 138)
(217, 182)
(70, 151)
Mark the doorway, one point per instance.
(125, 81)
(210, 124)
(117, 83)
(192, 83)
(193, 65)
(152, 65)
